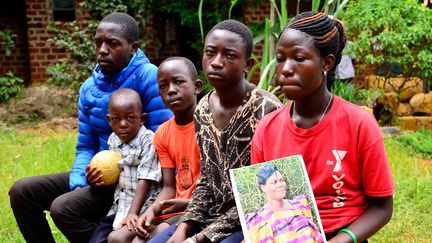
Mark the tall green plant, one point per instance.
(356, 94)
(272, 28)
(273, 25)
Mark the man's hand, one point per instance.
(173, 205)
(94, 176)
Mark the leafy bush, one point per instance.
(418, 143)
(356, 94)
(10, 85)
(6, 41)
(65, 74)
(79, 43)
(384, 33)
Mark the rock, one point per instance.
(415, 122)
(404, 109)
(389, 100)
(411, 88)
(422, 103)
(390, 130)
(375, 82)
(404, 87)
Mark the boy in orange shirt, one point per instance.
(177, 150)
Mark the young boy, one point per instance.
(225, 121)
(75, 207)
(140, 168)
(177, 149)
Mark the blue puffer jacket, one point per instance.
(93, 127)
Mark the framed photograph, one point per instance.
(275, 202)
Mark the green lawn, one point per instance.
(28, 154)
(31, 153)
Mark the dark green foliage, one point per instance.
(356, 94)
(79, 43)
(6, 41)
(384, 33)
(418, 143)
(10, 85)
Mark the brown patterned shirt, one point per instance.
(213, 201)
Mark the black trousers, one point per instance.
(75, 213)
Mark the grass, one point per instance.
(412, 200)
(40, 152)
(28, 154)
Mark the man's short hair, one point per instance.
(129, 26)
(238, 28)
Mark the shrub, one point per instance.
(6, 41)
(10, 85)
(79, 43)
(356, 94)
(65, 74)
(384, 33)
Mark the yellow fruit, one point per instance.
(107, 162)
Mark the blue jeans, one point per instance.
(235, 237)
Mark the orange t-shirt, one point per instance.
(177, 148)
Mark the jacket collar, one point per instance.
(111, 82)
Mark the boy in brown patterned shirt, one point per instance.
(225, 120)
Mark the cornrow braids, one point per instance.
(189, 65)
(128, 25)
(328, 35)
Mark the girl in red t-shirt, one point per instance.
(340, 143)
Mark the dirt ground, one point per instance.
(39, 108)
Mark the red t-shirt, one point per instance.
(344, 156)
(177, 148)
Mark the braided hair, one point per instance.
(129, 26)
(328, 35)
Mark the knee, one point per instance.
(116, 237)
(19, 191)
(58, 209)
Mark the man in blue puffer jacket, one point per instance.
(76, 204)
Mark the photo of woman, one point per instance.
(280, 219)
(275, 202)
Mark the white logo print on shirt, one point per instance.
(340, 198)
(339, 155)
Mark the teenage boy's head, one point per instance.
(116, 42)
(124, 114)
(227, 51)
(179, 84)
